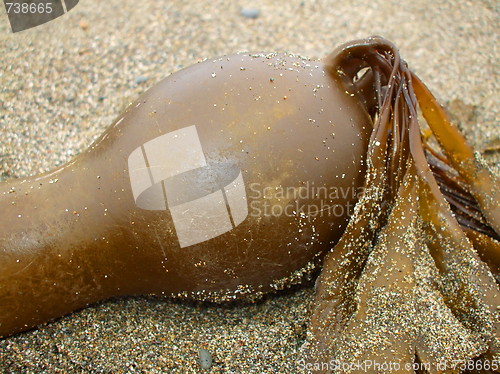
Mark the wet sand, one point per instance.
(63, 83)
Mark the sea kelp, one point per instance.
(412, 279)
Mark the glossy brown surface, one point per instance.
(75, 236)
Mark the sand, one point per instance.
(63, 83)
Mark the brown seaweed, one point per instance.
(412, 278)
(405, 286)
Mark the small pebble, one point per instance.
(205, 359)
(141, 79)
(83, 25)
(250, 12)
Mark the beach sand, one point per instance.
(63, 83)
